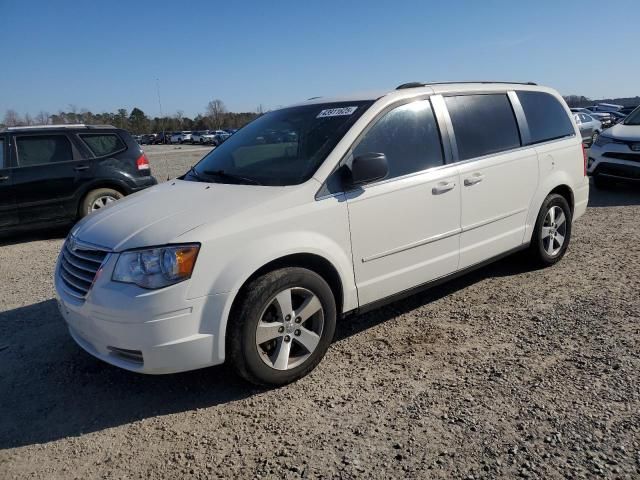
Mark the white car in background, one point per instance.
(255, 253)
(215, 137)
(181, 137)
(615, 155)
(199, 136)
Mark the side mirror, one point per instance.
(367, 167)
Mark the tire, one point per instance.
(99, 196)
(603, 183)
(594, 137)
(551, 235)
(258, 304)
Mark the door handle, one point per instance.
(3, 178)
(443, 187)
(476, 178)
(80, 168)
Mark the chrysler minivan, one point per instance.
(317, 211)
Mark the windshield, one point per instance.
(283, 147)
(633, 118)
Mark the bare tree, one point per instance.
(179, 116)
(42, 118)
(72, 114)
(28, 120)
(260, 110)
(11, 118)
(215, 111)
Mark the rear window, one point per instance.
(43, 149)
(483, 124)
(102, 144)
(547, 118)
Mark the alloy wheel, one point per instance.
(554, 231)
(102, 202)
(289, 328)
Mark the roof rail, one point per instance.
(424, 84)
(64, 125)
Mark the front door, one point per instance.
(405, 228)
(45, 176)
(8, 210)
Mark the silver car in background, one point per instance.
(589, 127)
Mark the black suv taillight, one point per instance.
(143, 162)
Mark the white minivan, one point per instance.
(317, 211)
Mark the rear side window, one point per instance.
(547, 118)
(408, 135)
(483, 124)
(43, 149)
(103, 144)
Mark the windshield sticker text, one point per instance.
(336, 112)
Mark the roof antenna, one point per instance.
(164, 135)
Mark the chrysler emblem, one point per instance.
(635, 147)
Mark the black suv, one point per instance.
(58, 173)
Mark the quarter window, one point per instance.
(103, 144)
(483, 124)
(546, 117)
(408, 135)
(43, 149)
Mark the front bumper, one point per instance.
(614, 161)
(145, 331)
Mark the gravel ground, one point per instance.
(505, 372)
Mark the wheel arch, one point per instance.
(102, 183)
(310, 261)
(558, 183)
(566, 192)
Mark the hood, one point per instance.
(161, 214)
(624, 132)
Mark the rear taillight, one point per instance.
(142, 162)
(584, 156)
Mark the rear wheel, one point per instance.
(282, 327)
(552, 232)
(98, 199)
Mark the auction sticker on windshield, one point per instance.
(336, 112)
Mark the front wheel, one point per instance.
(282, 326)
(552, 232)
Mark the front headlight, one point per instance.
(156, 267)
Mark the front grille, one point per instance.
(632, 157)
(79, 264)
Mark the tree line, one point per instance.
(578, 101)
(216, 116)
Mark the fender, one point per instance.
(239, 268)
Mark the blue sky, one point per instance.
(105, 55)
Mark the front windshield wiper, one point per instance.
(195, 173)
(231, 176)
